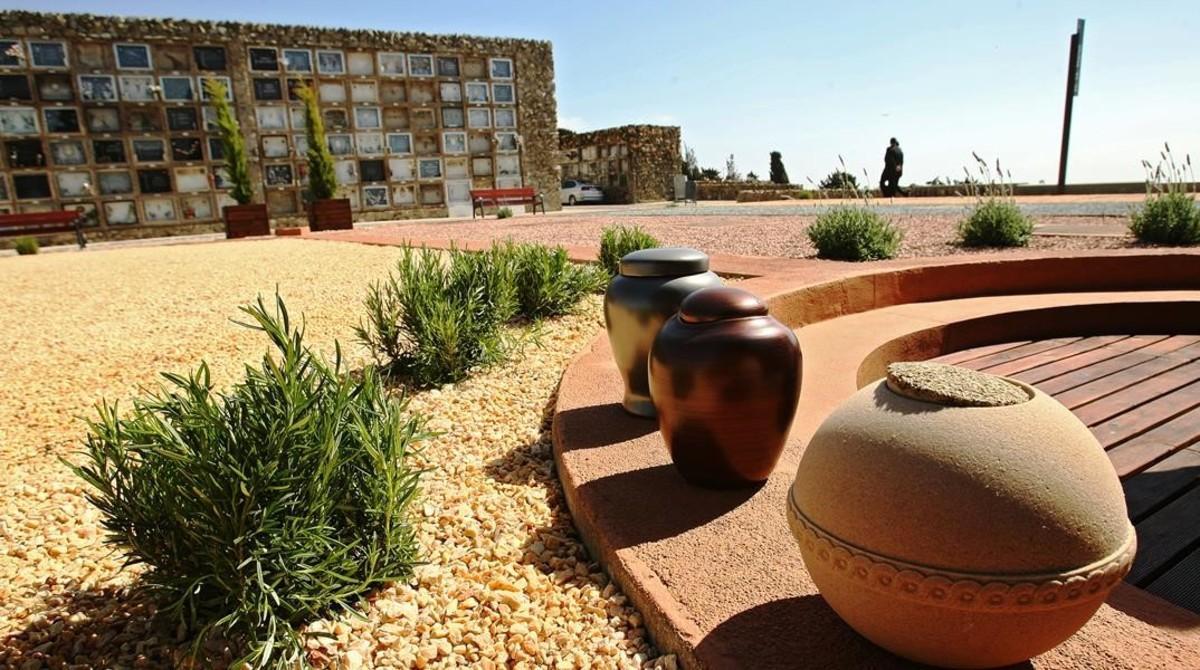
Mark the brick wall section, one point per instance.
(533, 67)
(649, 161)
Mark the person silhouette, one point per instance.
(893, 167)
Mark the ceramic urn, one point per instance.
(959, 519)
(724, 378)
(647, 292)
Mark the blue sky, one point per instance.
(815, 80)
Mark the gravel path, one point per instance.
(508, 581)
(748, 234)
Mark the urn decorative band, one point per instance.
(959, 590)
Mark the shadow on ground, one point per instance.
(101, 628)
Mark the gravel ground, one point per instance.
(750, 234)
(508, 582)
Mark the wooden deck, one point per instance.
(1140, 396)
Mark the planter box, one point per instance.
(246, 221)
(331, 214)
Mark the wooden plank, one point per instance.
(985, 362)
(1178, 345)
(964, 355)
(1181, 584)
(1153, 445)
(1148, 490)
(1057, 354)
(1112, 383)
(1137, 420)
(1164, 536)
(1092, 410)
(1050, 370)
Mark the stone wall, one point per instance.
(421, 118)
(634, 163)
(728, 190)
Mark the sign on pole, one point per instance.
(1074, 63)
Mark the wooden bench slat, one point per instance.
(34, 223)
(482, 197)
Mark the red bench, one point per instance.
(481, 198)
(38, 223)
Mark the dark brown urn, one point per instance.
(246, 221)
(330, 214)
(725, 378)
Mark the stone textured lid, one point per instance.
(719, 303)
(952, 386)
(664, 262)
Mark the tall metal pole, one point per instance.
(1073, 64)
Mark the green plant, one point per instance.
(322, 181)
(264, 507)
(440, 316)
(995, 220)
(995, 223)
(1169, 215)
(616, 241)
(504, 213)
(840, 180)
(779, 173)
(232, 142)
(549, 284)
(26, 246)
(855, 233)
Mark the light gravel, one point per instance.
(508, 582)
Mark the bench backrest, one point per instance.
(490, 193)
(61, 218)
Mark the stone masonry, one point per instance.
(108, 114)
(634, 163)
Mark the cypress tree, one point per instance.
(778, 172)
(322, 182)
(232, 142)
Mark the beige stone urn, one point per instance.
(959, 519)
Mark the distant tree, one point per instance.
(839, 179)
(689, 165)
(750, 176)
(710, 174)
(731, 173)
(778, 172)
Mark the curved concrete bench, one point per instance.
(717, 574)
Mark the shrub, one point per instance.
(840, 180)
(616, 241)
(1169, 215)
(262, 508)
(995, 222)
(1167, 218)
(322, 181)
(504, 213)
(854, 234)
(549, 284)
(26, 246)
(436, 319)
(233, 144)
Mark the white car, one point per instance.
(574, 192)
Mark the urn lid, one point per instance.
(718, 303)
(664, 262)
